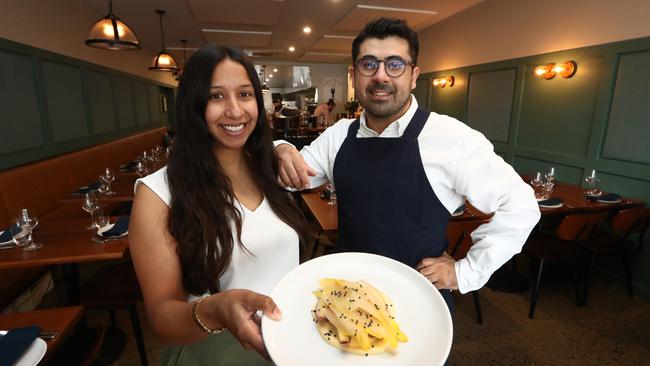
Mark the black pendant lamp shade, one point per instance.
(163, 60)
(111, 33)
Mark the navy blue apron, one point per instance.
(386, 205)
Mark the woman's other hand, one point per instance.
(237, 311)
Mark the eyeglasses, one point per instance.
(394, 66)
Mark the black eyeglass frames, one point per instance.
(394, 66)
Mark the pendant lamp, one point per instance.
(163, 60)
(110, 33)
(179, 72)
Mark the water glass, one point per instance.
(20, 236)
(28, 223)
(141, 168)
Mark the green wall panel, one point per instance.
(489, 102)
(628, 131)
(155, 109)
(21, 123)
(100, 96)
(421, 93)
(557, 115)
(65, 101)
(124, 98)
(141, 104)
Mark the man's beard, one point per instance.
(386, 108)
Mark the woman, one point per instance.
(212, 233)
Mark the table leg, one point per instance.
(72, 284)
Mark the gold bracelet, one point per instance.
(200, 324)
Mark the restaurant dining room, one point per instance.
(441, 182)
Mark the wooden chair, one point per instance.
(573, 229)
(625, 223)
(460, 240)
(116, 286)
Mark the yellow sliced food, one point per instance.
(356, 317)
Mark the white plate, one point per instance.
(610, 201)
(421, 313)
(100, 232)
(34, 353)
(552, 206)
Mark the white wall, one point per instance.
(61, 26)
(503, 29)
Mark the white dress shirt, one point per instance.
(459, 163)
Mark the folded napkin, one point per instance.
(553, 201)
(608, 198)
(120, 227)
(89, 188)
(459, 210)
(5, 235)
(130, 166)
(15, 343)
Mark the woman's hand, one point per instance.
(237, 311)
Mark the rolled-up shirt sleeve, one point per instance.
(492, 186)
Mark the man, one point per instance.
(400, 171)
(325, 110)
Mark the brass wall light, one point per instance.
(566, 70)
(444, 81)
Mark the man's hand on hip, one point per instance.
(440, 271)
(293, 170)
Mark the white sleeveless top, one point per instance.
(273, 245)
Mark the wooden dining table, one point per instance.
(122, 186)
(59, 320)
(66, 242)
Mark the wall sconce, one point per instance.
(444, 81)
(566, 70)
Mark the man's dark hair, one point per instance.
(382, 28)
(331, 102)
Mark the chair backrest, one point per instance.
(580, 227)
(459, 236)
(631, 221)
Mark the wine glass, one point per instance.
(108, 177)
(28, 222)
(538, 186)
(592, 184)
(20, 236)
(332, 194)
(140, 168)
(90, 205)
(550, 175)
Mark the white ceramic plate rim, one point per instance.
(428, 345)
(33, 355)
(101, 231)
(552, 206)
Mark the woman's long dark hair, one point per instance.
(202, 205)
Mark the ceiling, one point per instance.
(266, 29)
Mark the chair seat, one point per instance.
(549, 248)
(112, 286)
